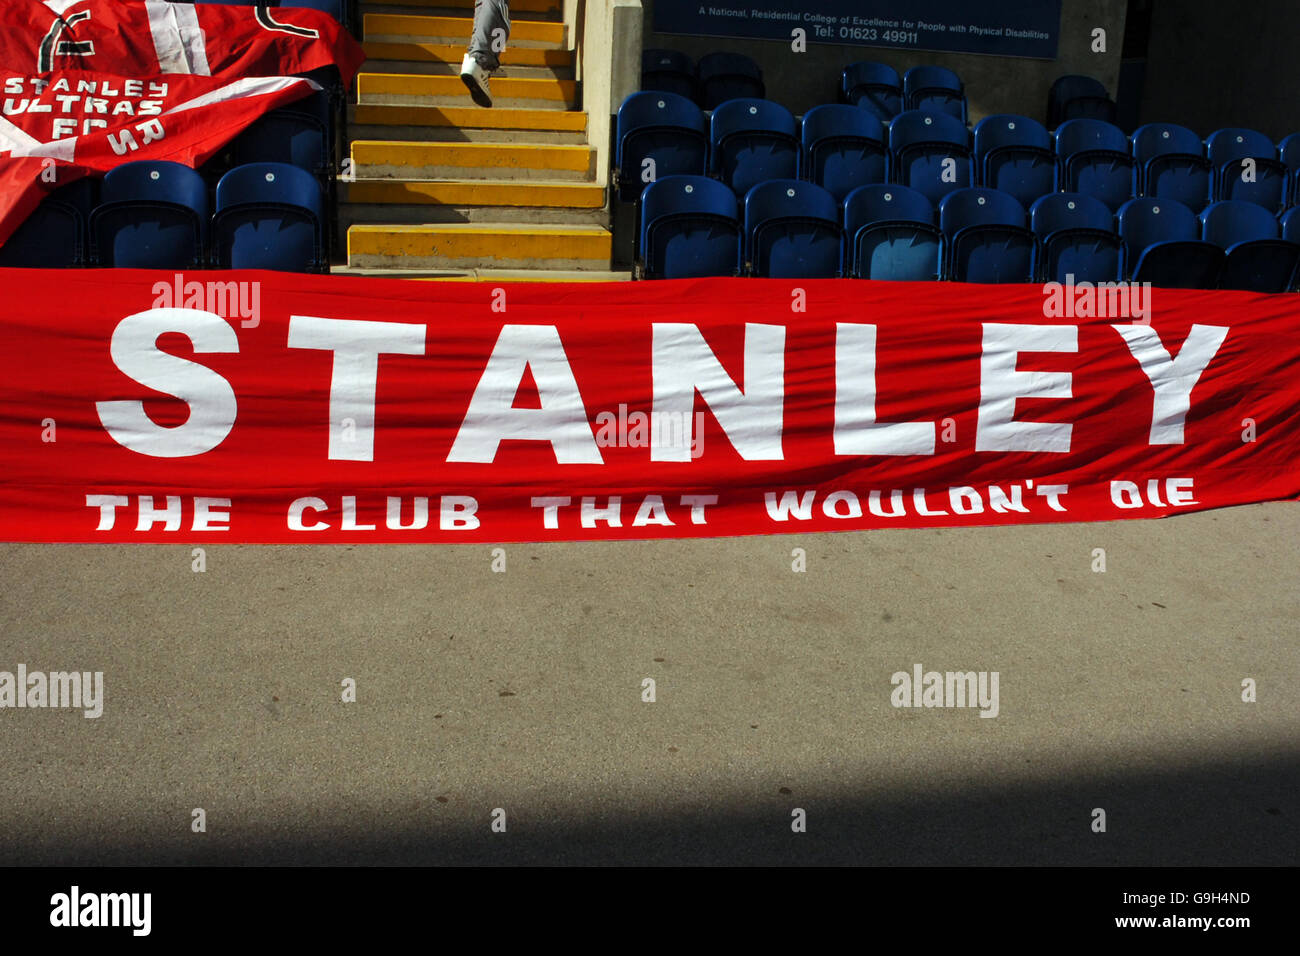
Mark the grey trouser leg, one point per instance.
(491, 30)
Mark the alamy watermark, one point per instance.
(79, 690)
(1101, 300)
(229, 299)
(922, 688)
(636, 429)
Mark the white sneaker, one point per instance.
(476, 78)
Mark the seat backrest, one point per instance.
(885, 203)
(927, 77)
(1057, 211)
(655, 109)
(835, 120)
(683, 195)
(724, 76)
(868, 73)
(283, 136)
(788, 199)
(1291, 224)
(156, 181)
(1078, 135)
(713, 65)
(1234, 220)
(749, 115)
(1145, 221)
(1008, 130)
(919, 126)
(1069, 87)
(269, 183)
(979, 206)
(1234, 143)
(666, 61)
(809, 211)
(1163, 139)
(669, 71)
(52, 236)
(1289, 152)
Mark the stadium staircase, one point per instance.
(440, 188)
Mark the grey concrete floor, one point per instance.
(522, 691)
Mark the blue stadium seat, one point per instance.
(1162, 245)
(298, 134)
(889, 233)
(662, 127)
(1170, 163)
(792, 231)
(728, 76)
(843, 148)
(1291, 224)
(269, 217)
(874, 87)
(54, 236)
(668, 71)
(1256, 258)
(1014, 154)
(752, 141)
(1093, 158)
(935, 89)
(690, 227)
(1289, 152)
(985, 237)
(1228, 149)
(919, 145)
(1068, 89)
(1076, 237)
(151, 215)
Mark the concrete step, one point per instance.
(467, 124)
(445, 59)
(438, 68)
(396, 89)
(479, 245)
(400, 28)
(422, 201)
(393, 159)
(519, 9)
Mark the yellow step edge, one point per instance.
(503, 87)
(473, 155)
(489, 241)
(486, 193)
(400, 24)
(472, 117)
(453, 53)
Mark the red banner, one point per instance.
(256, 407)
(148, 37)
(68, 125)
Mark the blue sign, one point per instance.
(1027, 28)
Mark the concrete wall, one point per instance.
(1210, 65)
(993, 84)
(608, 41)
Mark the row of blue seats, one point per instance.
(154, 215)
(841, 147)
(877, 87)
(693, 226)
(720, 77)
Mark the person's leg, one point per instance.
(486, 44)
(491, 31)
